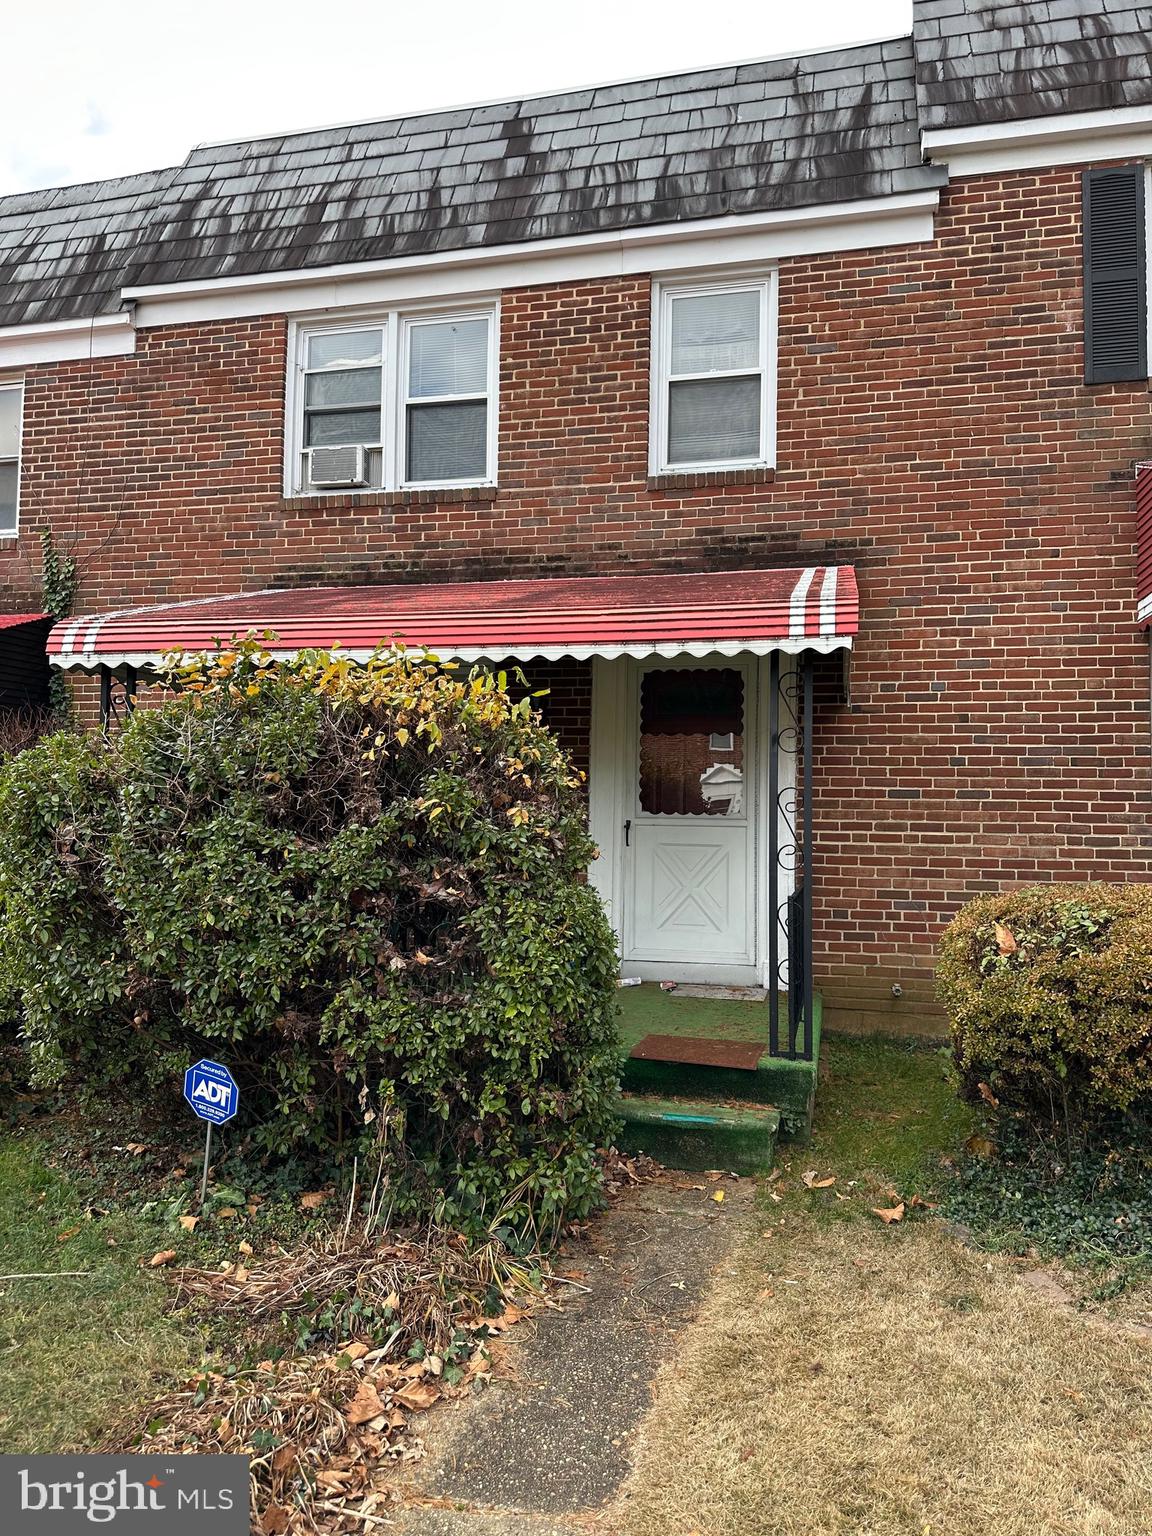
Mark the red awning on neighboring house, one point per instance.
(728, 612)
(14, 620)
(1144, 543)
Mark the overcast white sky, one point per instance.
(96, 88)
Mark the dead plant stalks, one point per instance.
(410, 1290)
(407, 1319)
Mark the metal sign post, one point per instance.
(207, 1160)
(212, 1092)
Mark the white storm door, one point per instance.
(689, 855)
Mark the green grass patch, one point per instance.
(886, 1116)
(74, 1348)
(887, 1108)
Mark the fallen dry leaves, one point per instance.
(365, 1405)
(317, 1426)
(812, 1180)
(621, 1172)
(165, 1256)
(332, 1420)
(890, 1213)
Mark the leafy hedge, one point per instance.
(360, 887)
(1049, 992)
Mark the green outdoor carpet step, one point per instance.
(702, 1049)
(691, 1134)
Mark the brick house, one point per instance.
(781, 419)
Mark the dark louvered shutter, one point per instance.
(1115, 276)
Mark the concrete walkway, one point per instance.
(541, 1451)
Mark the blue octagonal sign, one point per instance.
(212, 1092)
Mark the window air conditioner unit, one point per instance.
(346, 464)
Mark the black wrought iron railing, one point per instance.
(117, 696)
(790, 708)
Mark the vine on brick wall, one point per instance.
(59, 582)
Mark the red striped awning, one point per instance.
(1144, 543)
(727, 612)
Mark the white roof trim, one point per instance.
(1144, 609)
(62, 340)
(1032, 142)
(734, 239)
(791, 645)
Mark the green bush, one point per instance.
(1049, 993)
(360, 887)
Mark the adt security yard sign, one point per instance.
(212, 1092)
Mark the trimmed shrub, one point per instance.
(360, 887)
(1049, 992)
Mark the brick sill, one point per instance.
(340, 502)
(709, 479)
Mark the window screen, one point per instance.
(10, 407)
(715, 356)
(447, 411)
(682, 715)
(342, 388)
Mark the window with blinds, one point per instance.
(11, 413)
(446, 409)
(712, 405)
(415, 394)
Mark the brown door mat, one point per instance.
(692, 1051)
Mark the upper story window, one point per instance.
(11, 414)
(407, 400)
(713, 399)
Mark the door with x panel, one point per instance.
(689, 854)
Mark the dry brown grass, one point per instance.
(851, 1380)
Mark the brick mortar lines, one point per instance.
(933, 429)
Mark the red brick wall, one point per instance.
(933, 429)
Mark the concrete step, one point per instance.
(695, 1134)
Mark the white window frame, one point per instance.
(404, 397)
(15, 385)
(663, 292)
(302, 372)
(395, 325)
